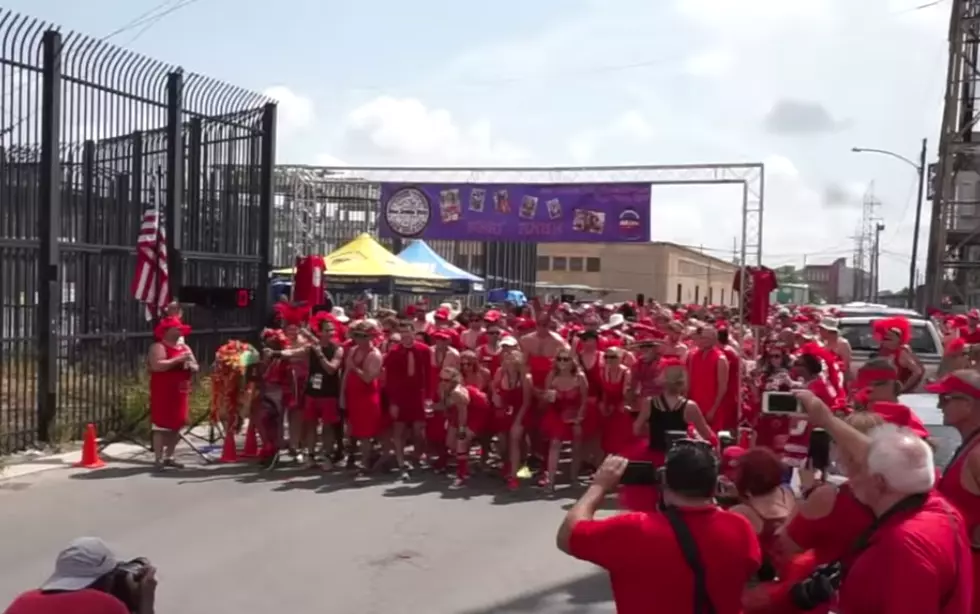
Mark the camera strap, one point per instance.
(909, 503)
(702, 600)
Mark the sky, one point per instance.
(794, 85)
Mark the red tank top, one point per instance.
(511, 397)
(593, 375)
(833, 535)
(539, 367)
(951, 483)
(478, 399)
(904, 373)
(703, 369)
(613, 393)
(489, 359)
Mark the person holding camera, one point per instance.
(917, 543)
(690, 556)
(89, 579)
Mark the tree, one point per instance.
(789, 274)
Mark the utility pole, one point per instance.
(913, 286)
(864, 252)
(879, 227)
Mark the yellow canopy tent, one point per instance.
(364, 264)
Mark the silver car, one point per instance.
(946, 438)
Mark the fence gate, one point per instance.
(91, 135)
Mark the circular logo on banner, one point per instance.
(629, 225)
(407, 212)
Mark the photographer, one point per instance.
(917, 543)
(642, 551)
(88, 579)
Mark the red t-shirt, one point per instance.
(761, 282)
(648, 570)
(923, 555)
(87, 601)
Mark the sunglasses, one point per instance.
(563, 359)
(946, 398)
(612, 357)
(493, 332)
(446, 380)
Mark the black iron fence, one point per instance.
(87, 132)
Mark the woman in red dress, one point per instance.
(171, 365)
(617, 421)
(567, 393)
(361, 390)
(512, 394)
(294, 319)
(468, 411)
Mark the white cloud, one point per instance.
(710, 63)
(630, 127)
(406, 131)
(296, 112)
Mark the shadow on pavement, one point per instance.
(590, 593)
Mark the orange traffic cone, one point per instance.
(251, 441)
(229, 451)
(90, 450)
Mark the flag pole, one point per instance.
(157, 277)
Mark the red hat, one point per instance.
(955, 346)
(953, 384)
(167, 323)
(729, 458)
(295, 315)
(492, 316)
(441, 335)
(900, 415)
(898, 325)
(441, 314)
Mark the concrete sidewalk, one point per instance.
(33, 462)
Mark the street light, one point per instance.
(920, 169)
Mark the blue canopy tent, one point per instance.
(421, 255)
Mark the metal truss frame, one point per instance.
(751, 176)
(958, 150)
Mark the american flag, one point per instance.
(150, 280)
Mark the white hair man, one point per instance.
(918, 544)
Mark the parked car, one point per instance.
(925, 342)
(859, 309)
(946, 438)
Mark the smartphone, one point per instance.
(776, 402)
(640, 300)
(819, 449)
(639, 473)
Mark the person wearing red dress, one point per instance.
(468, 410)
(512, 396)
(708, 372)
(361, 389)
(171, 365)
(567, 394)
(960, 484)
(407, 383)
(617, 421)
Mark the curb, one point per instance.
(65, 460)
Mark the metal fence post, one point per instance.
(175, 181)
(266, 206)
(49, 231)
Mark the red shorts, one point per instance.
(435, 428)
(321, 409)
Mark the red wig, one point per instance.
(896, 325)
(759, 472)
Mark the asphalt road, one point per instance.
(229, 540)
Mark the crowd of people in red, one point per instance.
(512, 389)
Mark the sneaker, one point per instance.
(170, 462)
(512, 483)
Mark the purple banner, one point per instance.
(544, 213)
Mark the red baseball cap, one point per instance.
(953, 384)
